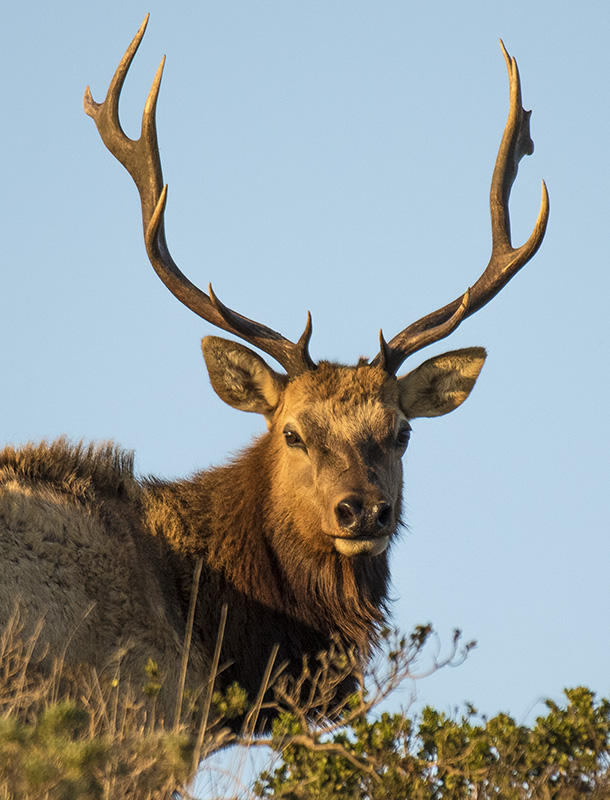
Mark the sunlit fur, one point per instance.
(259, 523)
(348, 418)
(108, 560)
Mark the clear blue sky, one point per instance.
(336, 156)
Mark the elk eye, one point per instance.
(292, 438)
(404, 434)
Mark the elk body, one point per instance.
(293, 536)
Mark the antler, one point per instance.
(505, 260)
(141, 159)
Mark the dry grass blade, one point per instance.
(186, 645)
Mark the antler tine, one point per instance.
(141, 159)
(505, 260)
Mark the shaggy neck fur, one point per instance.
(277, 590)
(145, 540)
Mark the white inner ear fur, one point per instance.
(240, 377)
(440, 384)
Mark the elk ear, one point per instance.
(440, 384)
(240, 377)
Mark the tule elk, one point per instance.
(293, 535)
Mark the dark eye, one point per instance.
(292, 438)
(403, 436)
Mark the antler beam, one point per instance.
(141, 159)
(505, 260)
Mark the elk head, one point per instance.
(338, 432)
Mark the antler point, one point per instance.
(161, 202)
(505, 52)
(88, 102)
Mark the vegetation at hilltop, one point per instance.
(89, 737)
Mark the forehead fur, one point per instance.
(340, 384)
(346, 402)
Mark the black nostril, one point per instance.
(348, 512)
(384, 514)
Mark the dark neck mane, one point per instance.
(276, 589)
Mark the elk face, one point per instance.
(341, 435)
(338, 436)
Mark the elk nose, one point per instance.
(349, 512)
(357, 517)
(383, 513)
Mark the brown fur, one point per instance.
(76, 555)
(75, 531)
(107, 560)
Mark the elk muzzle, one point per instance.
(365, 525)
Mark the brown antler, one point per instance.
(141, 159)
(505, 260)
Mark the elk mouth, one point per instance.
(361, 545)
